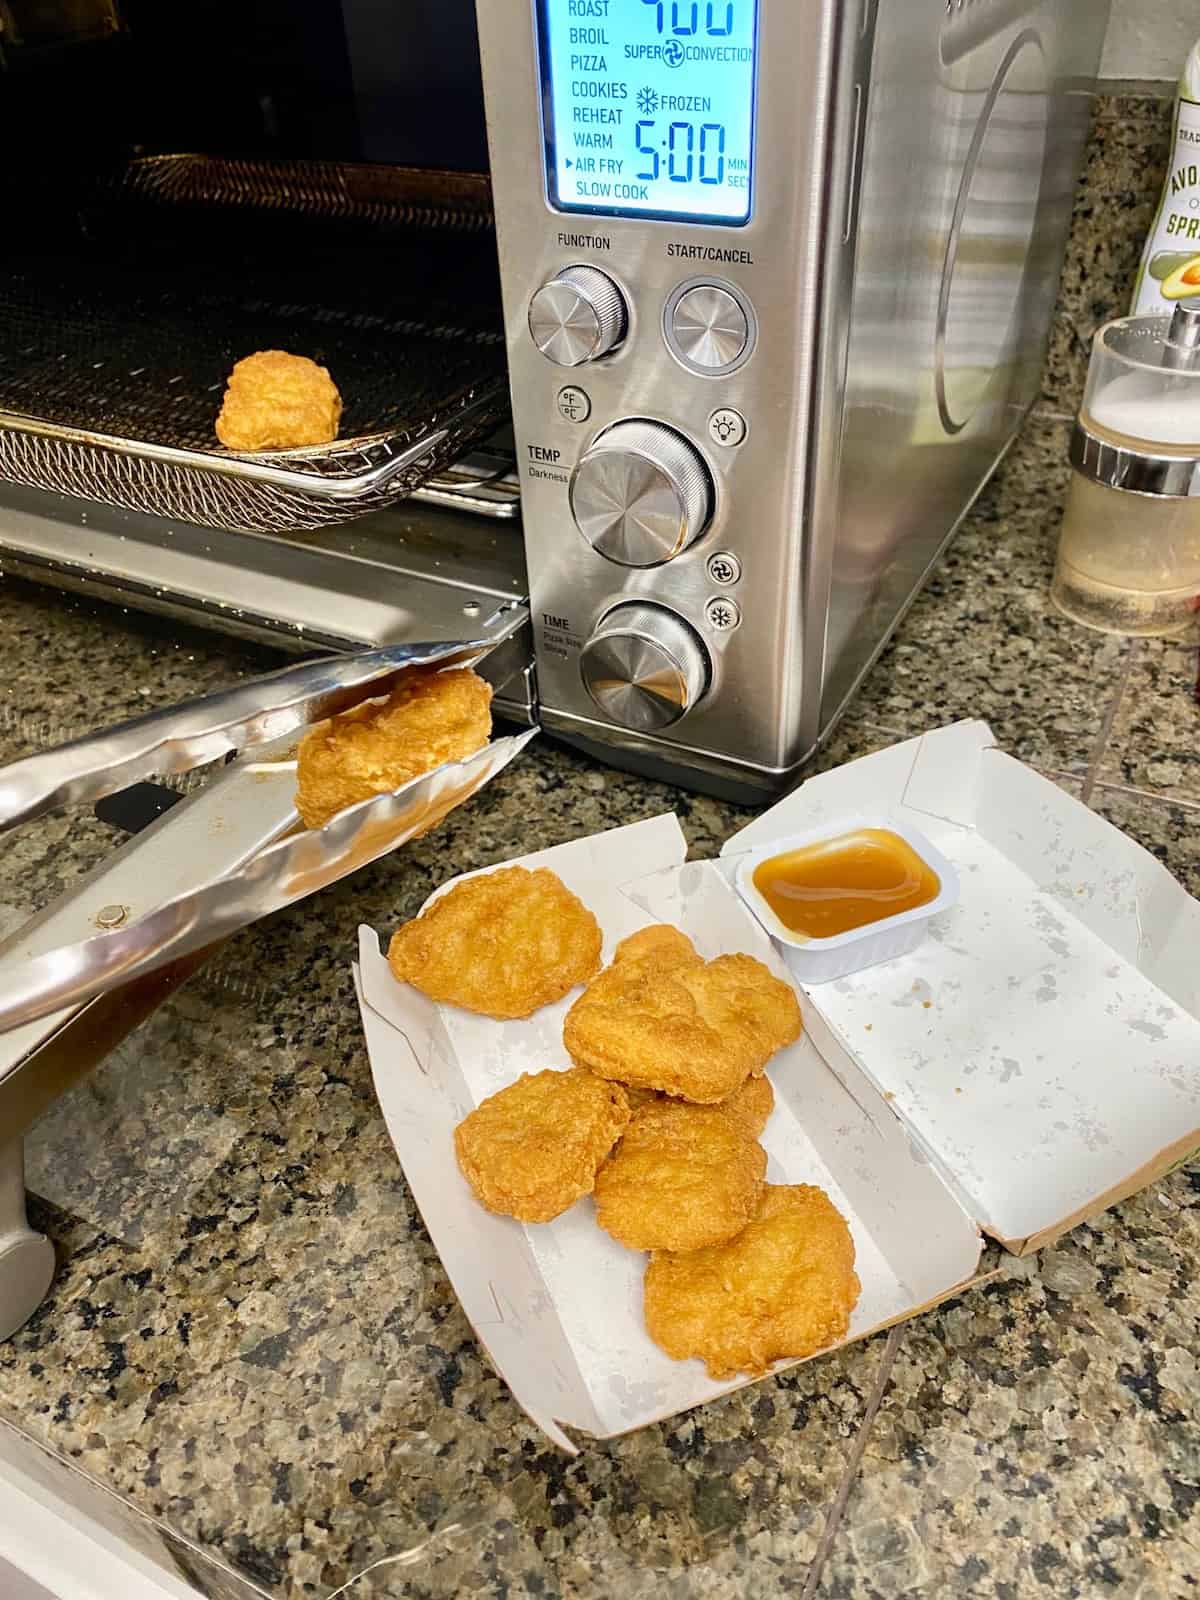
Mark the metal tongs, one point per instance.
(264, 715)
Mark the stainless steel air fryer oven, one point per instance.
(776, 284)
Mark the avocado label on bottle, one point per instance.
(1170, 268)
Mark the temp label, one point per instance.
(545, 461)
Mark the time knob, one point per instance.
(578, 316)
(641, 494)
(644, 666)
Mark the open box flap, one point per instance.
(423, 1097)
(1043, 1045)
(1098, 874)
(423, 1094)
(559, 1305)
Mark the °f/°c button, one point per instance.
(574, 404)
(727, 427)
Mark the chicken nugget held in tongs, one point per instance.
(429, 718)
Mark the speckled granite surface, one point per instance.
(250, 1339)
(1122, 178)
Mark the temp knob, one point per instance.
(644, 667)
(577, 316)
(641, 494)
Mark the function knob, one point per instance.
(641, 494)
(577, 317)
(644, 667)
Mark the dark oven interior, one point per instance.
(188, 184)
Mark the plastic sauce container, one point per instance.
(846, 896)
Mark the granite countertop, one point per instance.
(250, 1339)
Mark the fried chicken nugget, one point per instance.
(662, 1018)
(430, 717)
(647, 1097)
(503, 943)
(661, 944)
(533, 1149)
(275, 401)
(750, 1106)
(784, 1287)
(684, 1176)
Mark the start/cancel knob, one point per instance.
(709, 327)
(641, 494)
(644, 666)
(578, 316)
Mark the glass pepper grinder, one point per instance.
(1129, 550)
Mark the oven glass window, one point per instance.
(648, 107)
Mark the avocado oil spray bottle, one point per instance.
(1170, 268)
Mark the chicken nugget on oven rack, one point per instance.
(277, 401)
(503, 943)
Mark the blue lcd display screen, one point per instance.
(649, 107)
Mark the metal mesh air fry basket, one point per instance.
(114, 352)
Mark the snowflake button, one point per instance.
(722, 614)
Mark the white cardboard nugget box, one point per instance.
(1034, 1061)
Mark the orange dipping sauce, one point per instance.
(835, 885)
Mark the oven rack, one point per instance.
(389, 199)
(114, 354)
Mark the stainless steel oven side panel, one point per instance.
(763, 706)
(963, 214)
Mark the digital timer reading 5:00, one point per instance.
(649, 107)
